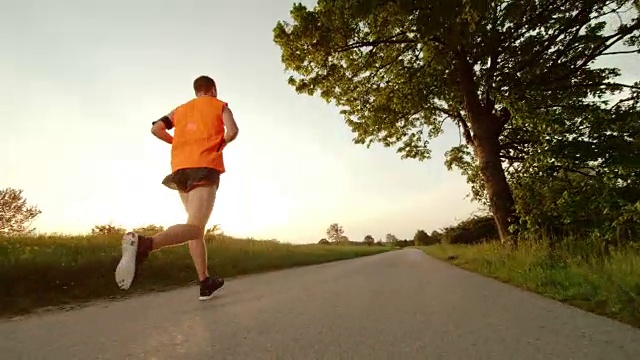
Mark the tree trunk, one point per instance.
(487, 127)
(498, 191)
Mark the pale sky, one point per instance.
(83, 80)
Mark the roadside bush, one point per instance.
(475, 230)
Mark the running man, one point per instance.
(196, 166)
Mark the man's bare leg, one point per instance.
(198, 251)
(198, 247)
(176, 235)
(199, 205)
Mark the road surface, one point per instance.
(396, 305)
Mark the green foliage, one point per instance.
(324, 242)
(214, 230)
(391, 66)
(369, 240)
(583, 177)
(477, 229)
(609, 286)
(358, 55)
(402, 243)
(149, 230)
(436, 236)
(15, 215)
(421, 238)
(390, 238)
(108, 229)
(39, 271)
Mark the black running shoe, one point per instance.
(209, 285)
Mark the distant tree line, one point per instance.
(474, 230)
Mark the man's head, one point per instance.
(205, 85)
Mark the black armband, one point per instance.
(167, 122)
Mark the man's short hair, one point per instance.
(204, 84)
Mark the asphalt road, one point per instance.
(397, 305)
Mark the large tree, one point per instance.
(399, 69)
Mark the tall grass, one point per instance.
(59, 270)
(582, 274)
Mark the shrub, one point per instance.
(475, 230)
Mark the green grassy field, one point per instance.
(606, 285)
(44, 271)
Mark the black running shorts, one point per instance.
(185, 180)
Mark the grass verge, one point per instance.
(45, 271)
(605, 285)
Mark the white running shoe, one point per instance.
(126, 270)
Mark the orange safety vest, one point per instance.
(199, 134)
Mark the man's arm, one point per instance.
(230, 124)
(159, 128)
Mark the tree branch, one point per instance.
(375, 43)
(625, 100)
(468, 87)
(466, 132)
(389, 63)
(598, 50)
(621, 52)
(581, 19)
(513, 144)
(569, 169)
(493, 66)
(605, 84)
(511, 157)
(532, 21)
(560, 106)
(457, 117)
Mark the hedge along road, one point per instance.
(400, 304)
